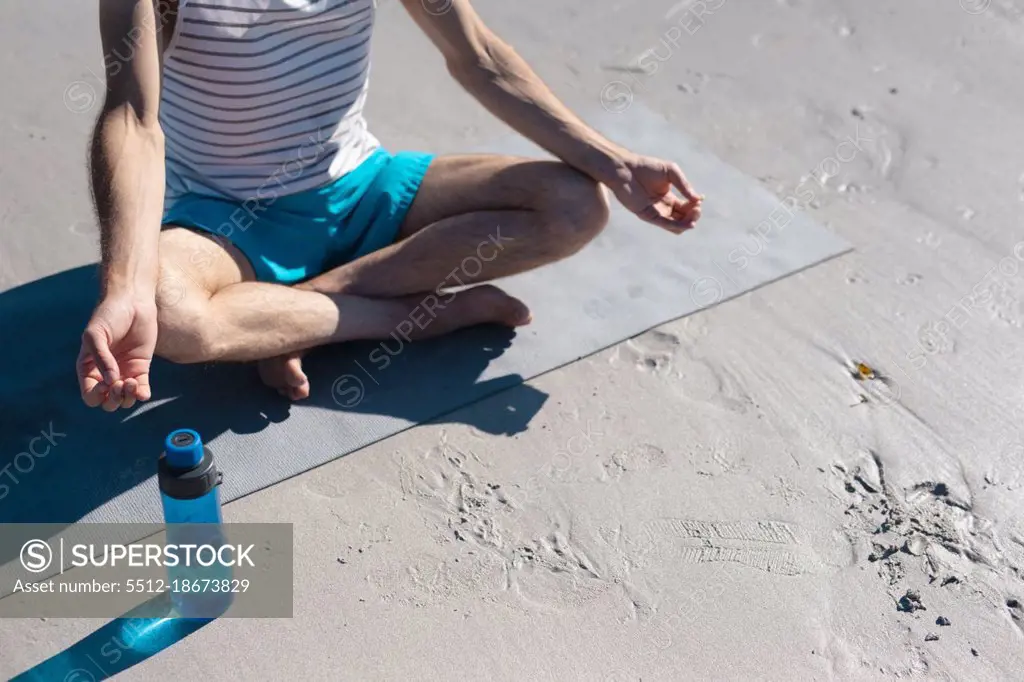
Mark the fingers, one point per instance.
(91, 374)
(131, 387)
(671, 223)
(136, 389)
(94, 392)
(142, 389)
(114, 395)
(672, 213)
(691, 214)
(90, 385)
(123, 394)
(688, 216)
(675, 174)
(94, 343)
(680, 209)
(97, 392)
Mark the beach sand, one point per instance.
(796, 484)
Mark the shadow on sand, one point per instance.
(60, 460)
(122, 643)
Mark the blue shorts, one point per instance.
(293, 237)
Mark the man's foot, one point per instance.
(481, 304)
(284, 373)
(478, 305)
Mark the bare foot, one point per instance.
(481, 304)
(284, 373)
(478, 305)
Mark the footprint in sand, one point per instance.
(650, 352)
(432, 579)
(662, 353)
(782, 487)
(487, 549)
(636, 459)
(718, 458)
(766, 545)
(925, 524)
(555, 572)
(445, 481)
(703, 382)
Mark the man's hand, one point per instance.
(644, 185)
(117, 349)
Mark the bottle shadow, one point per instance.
(118, 645)
(60, 460)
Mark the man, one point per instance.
(247, 214)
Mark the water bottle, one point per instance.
(189, 488)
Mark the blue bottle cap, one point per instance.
(184, 449)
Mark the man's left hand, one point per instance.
(644, 185)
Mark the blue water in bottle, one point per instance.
(190, 491)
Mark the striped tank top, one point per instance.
(265, 97)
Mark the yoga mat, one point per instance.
(88, 465)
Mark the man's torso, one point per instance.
(262, 94)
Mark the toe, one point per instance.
(488, 303)
(518, 313)
(286, 376)
(294, 375)
(298, 383)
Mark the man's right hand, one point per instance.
(117, 349)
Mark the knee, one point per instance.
(185, 332)
(577, 208)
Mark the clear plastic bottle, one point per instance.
(189, 488)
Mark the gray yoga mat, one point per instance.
(92, 466)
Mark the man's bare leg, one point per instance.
(505, 215)
(475, 218)
(209, 308)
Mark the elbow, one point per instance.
(128, 121)
(132, 108)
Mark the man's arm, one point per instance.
(491, 71)
(127, 160)
(127, 167)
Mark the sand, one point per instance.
(730, 496)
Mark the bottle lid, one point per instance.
(186, 470)
(184, 449)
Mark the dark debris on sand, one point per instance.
(910, 602)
